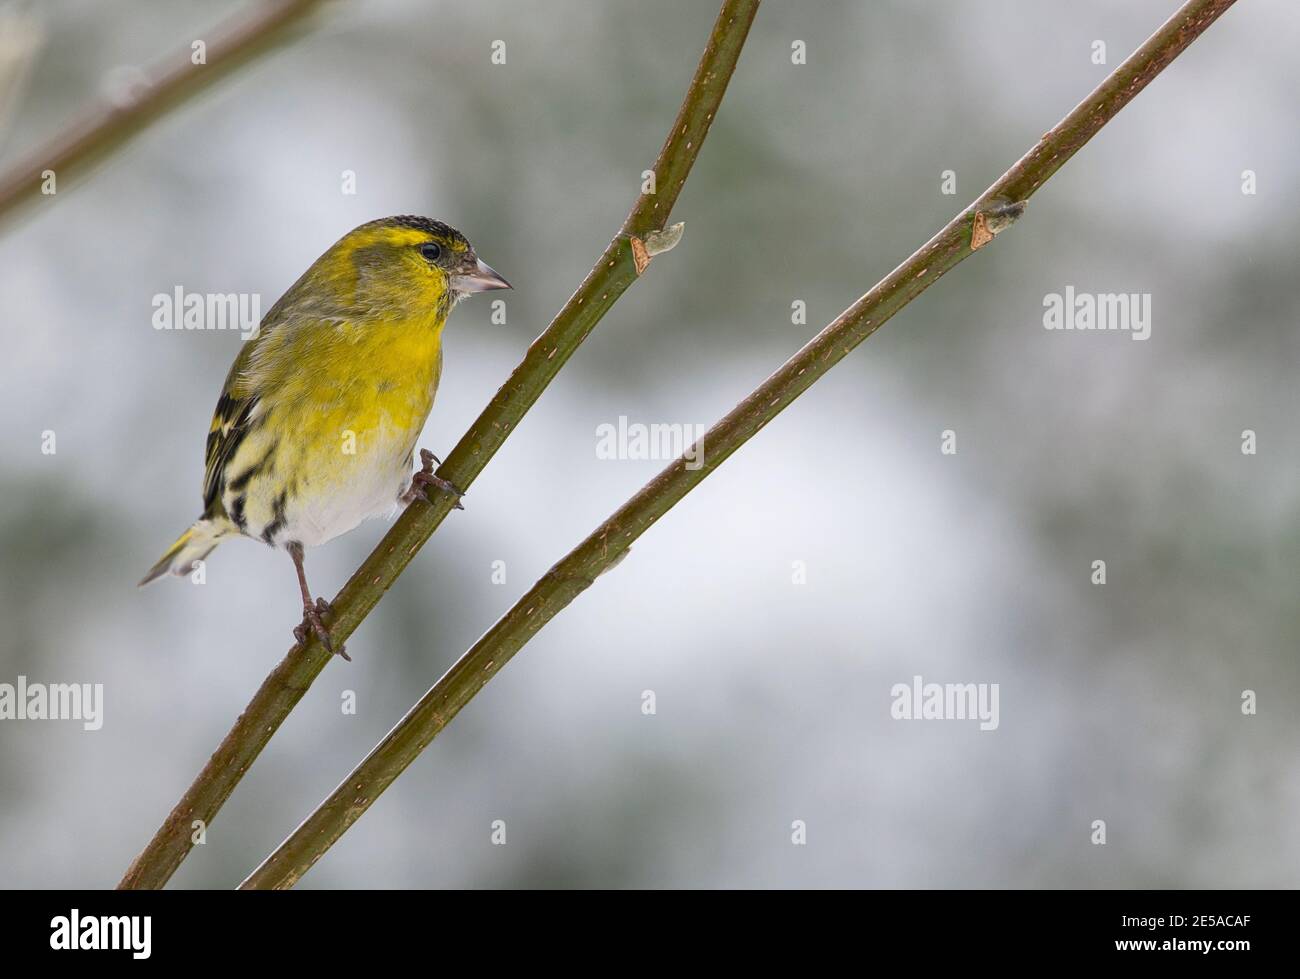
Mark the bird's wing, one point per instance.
(256, 380)
(230, 424)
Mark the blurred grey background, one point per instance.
(1118, 702)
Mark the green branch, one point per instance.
(109, 126)
(641, 236)
(975, 227)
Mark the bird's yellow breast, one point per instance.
(339, 419)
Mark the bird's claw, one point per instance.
(311, 620)
(425, 477)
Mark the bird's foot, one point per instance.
(311, 620)
(425, 478)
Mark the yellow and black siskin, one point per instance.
(316, 426)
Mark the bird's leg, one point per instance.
(312, 608)
(425, 477)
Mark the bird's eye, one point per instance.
(431, 251)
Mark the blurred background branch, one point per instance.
(134, 98)
(990, 214)
(22, 35)
(617, 268)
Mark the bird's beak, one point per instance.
(478, 278)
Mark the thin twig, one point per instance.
(990, 214)
(623, 261)
(109, 125)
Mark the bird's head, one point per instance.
(405, 266)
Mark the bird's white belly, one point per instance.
(323, 520)
(356, 488)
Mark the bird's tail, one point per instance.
(193, 545)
